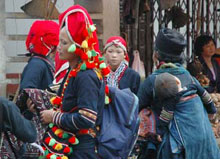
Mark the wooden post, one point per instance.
(111, 22)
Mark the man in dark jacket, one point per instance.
(11, 120)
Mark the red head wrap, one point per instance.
(42, 37)
(76, 20)
(117, 41)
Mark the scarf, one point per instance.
(114, 77)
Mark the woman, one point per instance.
(121, 76)
(82, 92)
(41, 42)
(205, 48)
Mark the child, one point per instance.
(183, 121)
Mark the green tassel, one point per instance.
(89, 53)
(83, 67)
(102, 65)
(51, 125)
(92, 28)
(76, 142)
(101, 59)
(52, 142)
(71, 150)
(65, 135)
(46, 152)
(72, 48)
(93, 53)
(53, 156)
(106, 100)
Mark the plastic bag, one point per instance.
(138, 65)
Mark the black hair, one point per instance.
(201, 41)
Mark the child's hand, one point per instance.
(159, 138)
(47, 116)
(30, 105)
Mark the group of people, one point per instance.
(83, 73)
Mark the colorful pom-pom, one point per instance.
(66, 150)
(73, 73)
(94, 53)
(90, 65)
(64, 157)
(106, 89)
(105, 71)
(101, 59)
(58, 131)
(106, 100)
(83, 67)
(65, 135)
(102, 65)
(53, 156)
(48, 155)
(73, 140)
(84, 56)
(84, 44)
(54, 128)
(58, 147)
(52, 142)
(51, 125)
(89, 53)
(92, 28)
(72, 48)
(47, 140)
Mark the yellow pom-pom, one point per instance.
(84, 44)
(58, 131)
(64, 157)
(58, 147)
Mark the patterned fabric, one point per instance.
(41, 101)
(147, 123)
(114, 77)
(166, 115)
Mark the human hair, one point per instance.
(167, 58)
(201, 41)
(165, 86)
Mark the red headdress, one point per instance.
(43, 37)
(77, 22)
(117, 41)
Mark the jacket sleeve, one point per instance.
(206, 98)
(88, 90)
(14, 122)
(145, 93)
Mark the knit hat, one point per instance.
(165, 86)
(170, 43)
(43, 37)
(117, 41)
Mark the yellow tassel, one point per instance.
(84, 44)
(58, 131)
(64, 157)
(58, 147)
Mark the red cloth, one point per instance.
(43, 36)
(117, 41)
(77, 24)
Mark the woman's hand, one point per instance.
(47, 116)
(30, 105)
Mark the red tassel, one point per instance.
(66, 150)
(57, 101)
(47, 140)
(78, 51)
(90, 65)
(91, 42)
(60, 135)
(54, 128)
(106, 89)
(58, 157)
(105, 71)
(72, 140)
(48, 155)
(73, 73)
(54, 146)
(84, 56)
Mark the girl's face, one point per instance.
(64, 44)
(114, 56)
(209, 49)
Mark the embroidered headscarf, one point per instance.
(43, 37)
(117, 41)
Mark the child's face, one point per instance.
(114, 56)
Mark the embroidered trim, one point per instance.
(166, 116)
